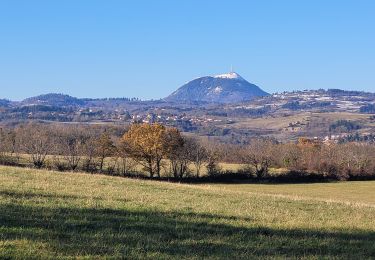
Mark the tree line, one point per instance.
(163, 151)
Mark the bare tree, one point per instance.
(126, 164)
(288, 155)
(104, 148)
(212, 165)
(198, 155)
(70, 144)
(89, 150)
(5, 149)
(36, 141)
(180, 157)
(259, 155)
(356, 159)
(328, 162)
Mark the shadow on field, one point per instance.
(29, 195)
(109, 232)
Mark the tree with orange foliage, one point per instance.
(147, 144)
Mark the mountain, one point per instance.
(53, 99)
(224, 88)
(4, 102)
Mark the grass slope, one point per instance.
(63, 215)
(353, 193)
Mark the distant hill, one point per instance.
(225, 88)
(53, 99)
(4, 102)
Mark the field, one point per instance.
(46, 214)
(312, 124)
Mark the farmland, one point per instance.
(46, 214)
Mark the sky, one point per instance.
(147, 49)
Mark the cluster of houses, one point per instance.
(167, 119)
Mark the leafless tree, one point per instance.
(126, 164)
(70, 144)
(37, 142)
(198, 155)
(104, 148)
(5, 146)
(212, 165)
(89, 149)
(259, 155)
(288, 155)
(180, 157)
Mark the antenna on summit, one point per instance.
(231, 68)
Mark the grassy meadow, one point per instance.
(45, 214)
(353, 193)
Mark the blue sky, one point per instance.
(147, 49)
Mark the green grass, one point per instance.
(353, 193)
(55, 215)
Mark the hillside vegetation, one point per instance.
(45, 214)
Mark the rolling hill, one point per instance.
(53, 99)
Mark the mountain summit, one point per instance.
(223, 88)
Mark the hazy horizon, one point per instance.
(148, 49)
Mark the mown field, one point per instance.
(46, 214)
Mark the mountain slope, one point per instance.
(225, 88)
(4, 103)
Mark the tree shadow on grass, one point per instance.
(71, 232)
(30, 195)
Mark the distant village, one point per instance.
(295, 111)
